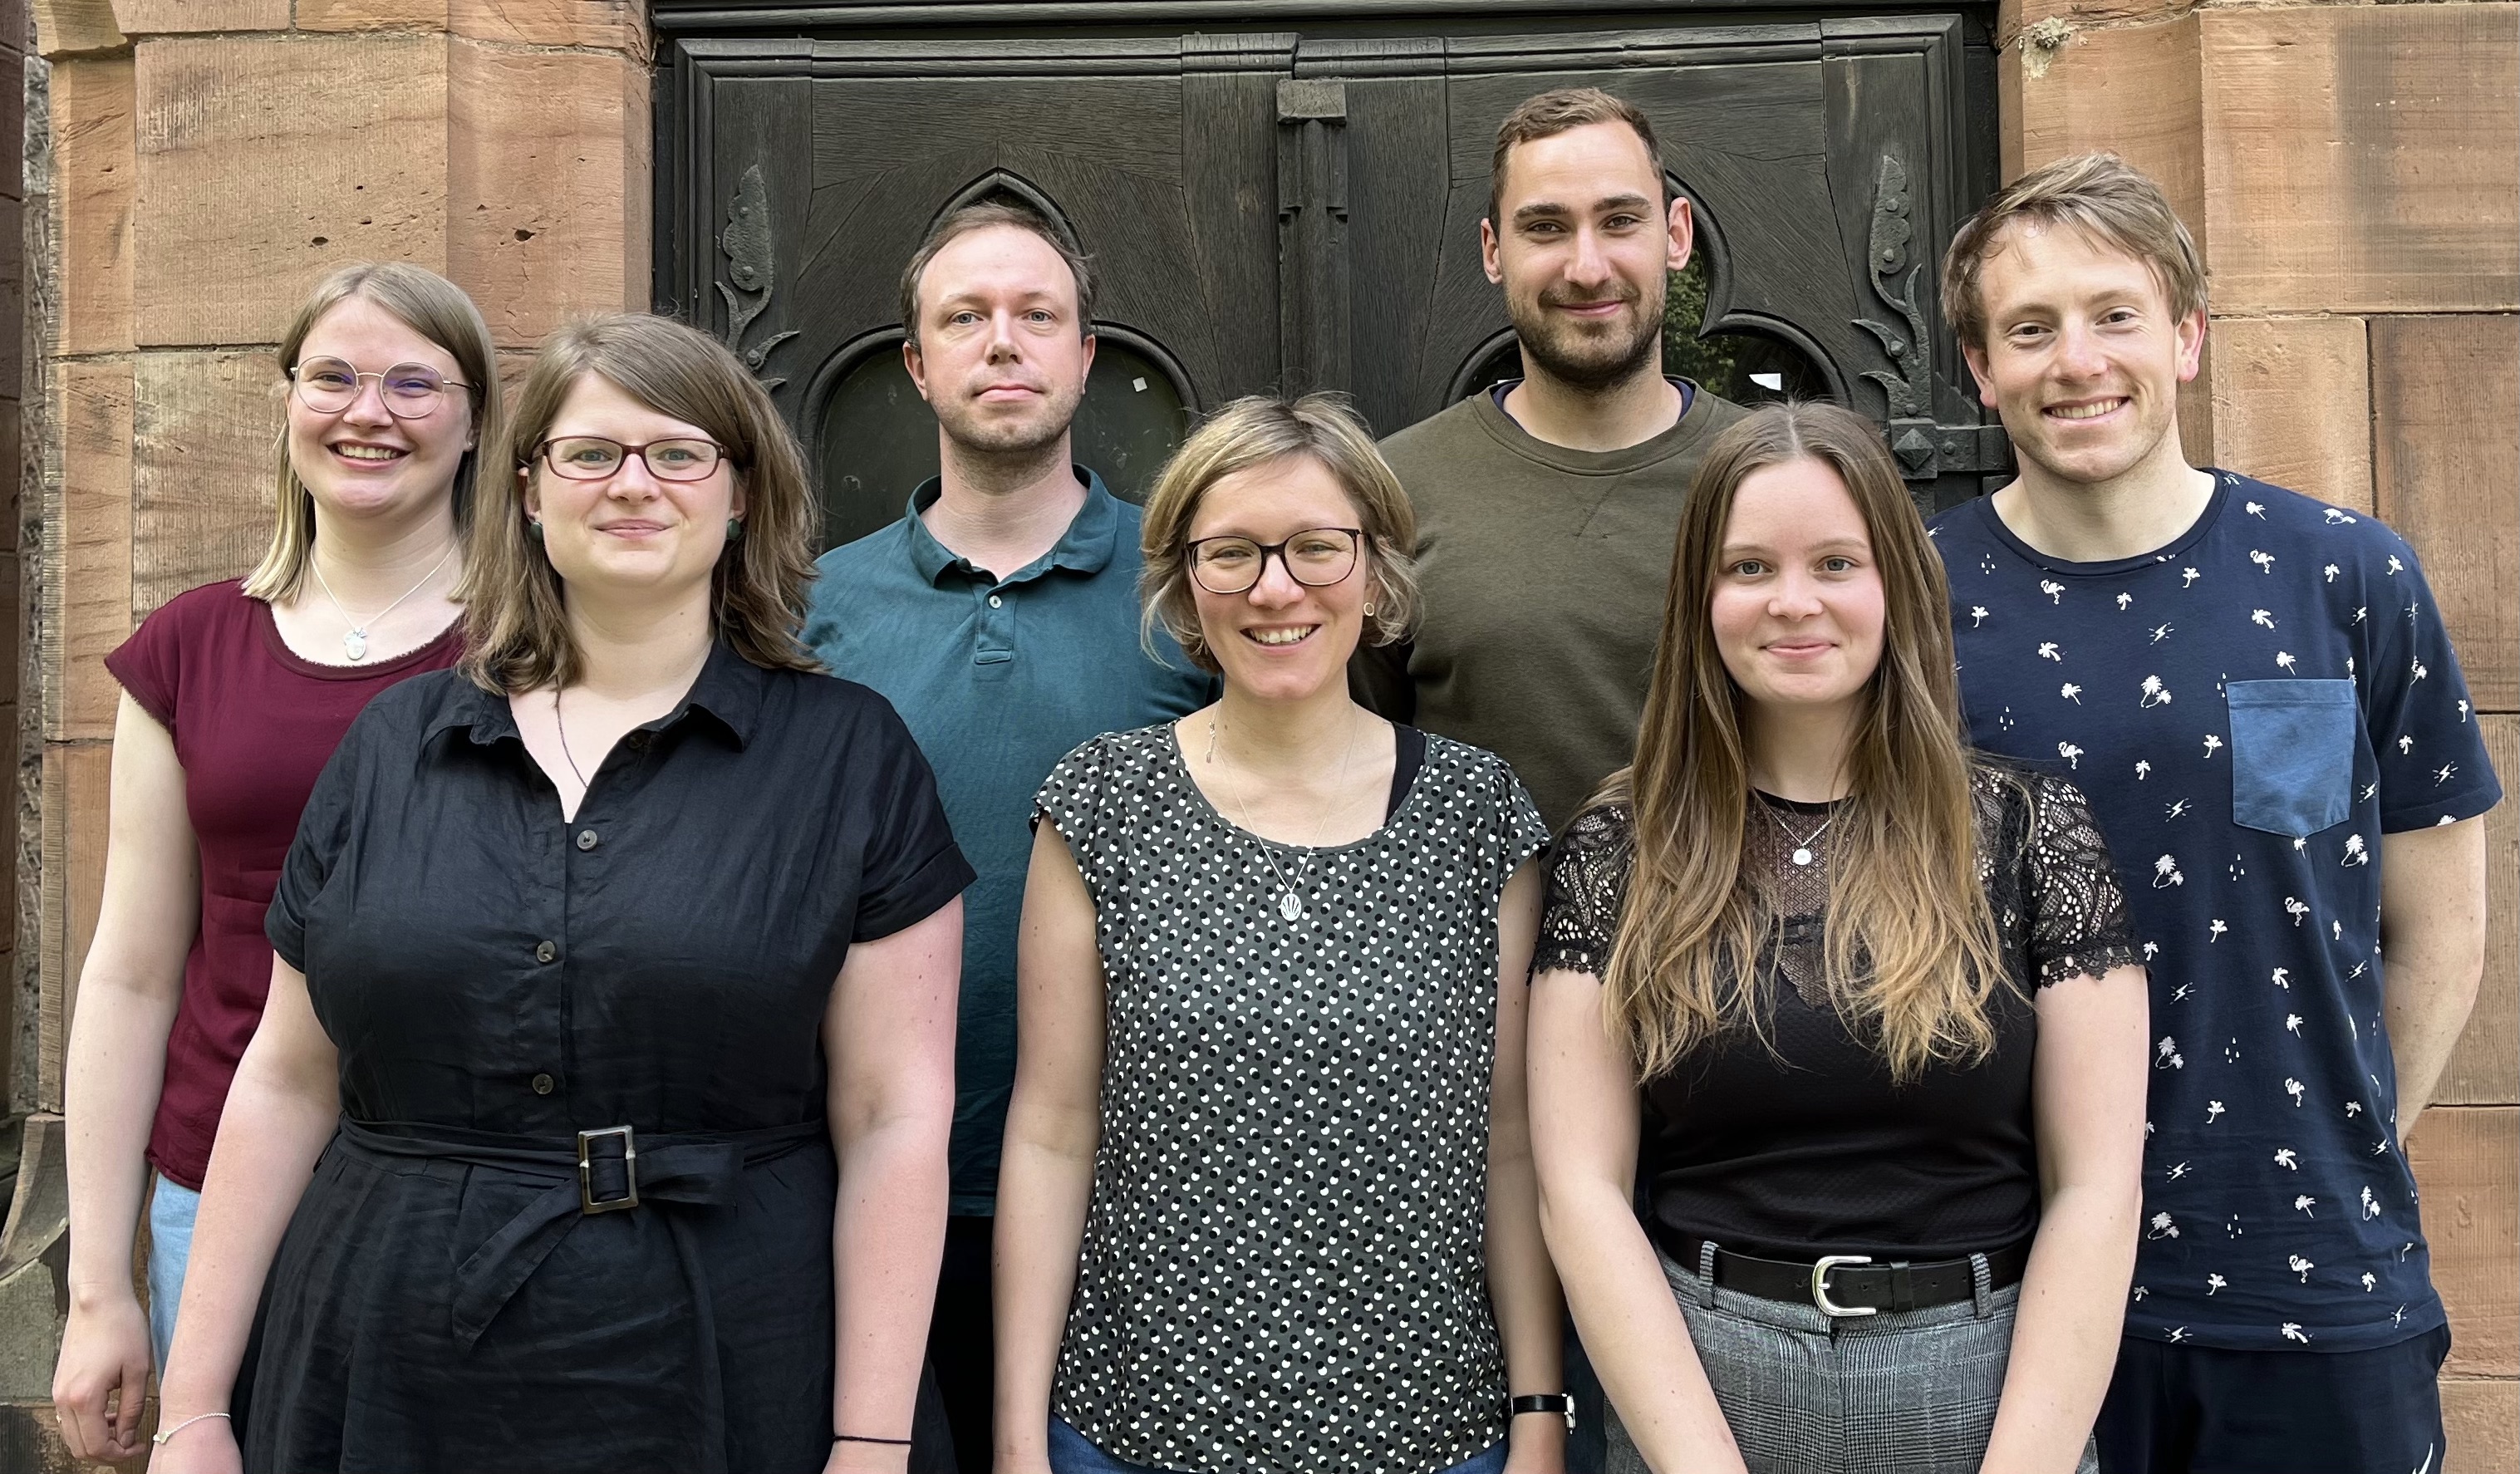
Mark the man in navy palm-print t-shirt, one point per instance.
(2257, 693)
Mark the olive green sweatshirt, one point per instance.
(1544, 571)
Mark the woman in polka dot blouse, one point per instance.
(1268, 1199)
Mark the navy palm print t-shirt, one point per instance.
(2249, 709)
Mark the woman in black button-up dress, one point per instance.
(588, 906)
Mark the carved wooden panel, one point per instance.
(1289, 209)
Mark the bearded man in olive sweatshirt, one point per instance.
(1547, 506)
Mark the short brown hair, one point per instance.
(986, 215)
(1255, 431)
(1563, 109)
(2103, 196)
(436, 309)
(516, 631)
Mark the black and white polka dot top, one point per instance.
(1284, 1263)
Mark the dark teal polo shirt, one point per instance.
(998, 679)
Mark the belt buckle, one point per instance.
(1819, 1286)
(587, 1201)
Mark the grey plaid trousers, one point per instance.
(1899, 1392)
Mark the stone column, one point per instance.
(2352, 172)
(204, 161)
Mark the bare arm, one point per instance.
(1583, 1124)
(1054, 1126)
(2087, 1091)
(280, 1114)
(2432, 928)
(127, 992)
(888, 1034)
(1522, 1286)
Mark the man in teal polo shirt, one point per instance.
(1000, 616)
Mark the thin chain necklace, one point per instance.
(355, 643)
(567, 756)
(1803, 853)
(1291, 904)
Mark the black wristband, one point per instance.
(859, 1438)
(1557, 1402)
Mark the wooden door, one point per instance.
(1289, 210)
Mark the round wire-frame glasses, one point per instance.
(410, 392)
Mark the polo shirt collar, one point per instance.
(728, 690)
(1086, 547)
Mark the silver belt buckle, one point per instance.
(1819, 1286)
(587, 1201)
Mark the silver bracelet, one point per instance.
(164, 1434)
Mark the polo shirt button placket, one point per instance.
(993, 640)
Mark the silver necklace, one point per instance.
(567, 756)
(1803, 843)
(355, 643)
(1291, 904)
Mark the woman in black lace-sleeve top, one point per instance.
(1850, 1014)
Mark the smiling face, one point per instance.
(1583, 243)
(1000, 354)
(1279, 640)
(2082, 358)
(362, 461)
(629, 531)
(1797, 608)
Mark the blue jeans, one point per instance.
(1073, 1453)
(171, 1208)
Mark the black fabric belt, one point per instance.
(602, 1170)
(1841, 1284)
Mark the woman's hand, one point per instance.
(105, 1351)
(208, 1447)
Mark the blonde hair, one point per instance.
(2100, 194)
(1255, 431)
(1910, 952)
(516, 635)
(436, 309)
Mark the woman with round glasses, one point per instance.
(234, 696)
(602, 963)
(1267, 1197)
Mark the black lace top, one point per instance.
(1801, 1145)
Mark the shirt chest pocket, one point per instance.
(2292, 754)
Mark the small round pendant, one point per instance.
(355, 644)
(1290, 907)
(1802, 857)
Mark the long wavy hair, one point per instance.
(1911, 953)
(517, 635)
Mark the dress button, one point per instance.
(544, 1085)
(546, 951)
(586, 840)
(995, 600)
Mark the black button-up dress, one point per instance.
(498, 980)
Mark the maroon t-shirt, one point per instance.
(253, 724)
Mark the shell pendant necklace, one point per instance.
(1803, 854)
(1291, 904)
(354, 644)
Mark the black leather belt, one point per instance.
(1855, 1284)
